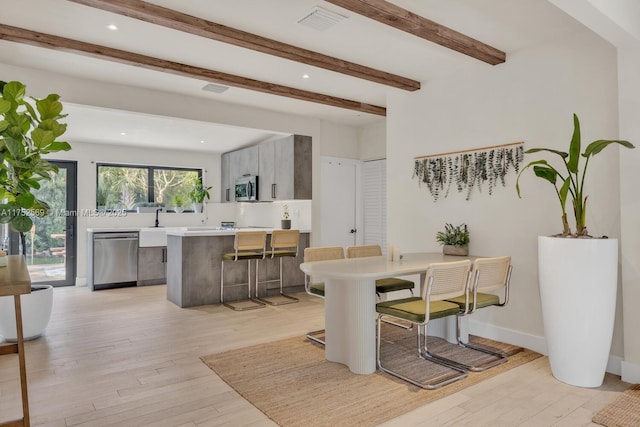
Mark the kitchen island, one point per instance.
(193, 267)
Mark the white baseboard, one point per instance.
(630, 372)
(616, 365)
(510, 336)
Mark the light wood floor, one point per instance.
(129, 357)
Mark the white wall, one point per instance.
(625, 13)
(373, 140)
(530, 98)
(339, 141)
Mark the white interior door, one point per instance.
(341, 207)
(374, 195)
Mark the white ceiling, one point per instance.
(509, 25)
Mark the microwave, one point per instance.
(247, 188)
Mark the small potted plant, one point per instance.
(285, 222)
(199, 194)
(455, 239)
(178, 201)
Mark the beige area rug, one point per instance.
(293, 384)
(623, 411)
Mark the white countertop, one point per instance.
(157, 236)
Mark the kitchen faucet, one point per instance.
(158, 222)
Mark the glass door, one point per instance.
(51, 244)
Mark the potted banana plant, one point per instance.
(577, 273)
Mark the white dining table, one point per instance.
(350, 302)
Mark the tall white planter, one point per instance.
(36, 312)
(578, 285)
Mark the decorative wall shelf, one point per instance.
(468, 169)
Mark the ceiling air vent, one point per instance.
(321, 19)
(215, 88)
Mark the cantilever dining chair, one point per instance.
(323, 253)
(383, 286)
(487, 275)
(247, 245)
(443, 280)
(284, 244)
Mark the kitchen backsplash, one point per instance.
(270, 214)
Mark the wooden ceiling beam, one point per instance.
(175, 20)
(402, 19)
(33, 38)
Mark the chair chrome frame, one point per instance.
(324, 253)
(276, 245)
(312, 335)
(503, 283)
(240, 252)
(422, 348)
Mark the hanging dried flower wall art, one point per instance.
(468, 169)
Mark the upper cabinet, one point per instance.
(283, 167)
(234, 165)
(225, 179)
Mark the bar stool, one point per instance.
(247, 245)
(284, 243)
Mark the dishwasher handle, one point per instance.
(115, 236)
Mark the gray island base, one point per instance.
(193, 269)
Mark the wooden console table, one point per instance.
(15, 280)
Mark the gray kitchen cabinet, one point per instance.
(266, 170)
(225, 178)
(285, 169)
(235, 164)
(152, 265)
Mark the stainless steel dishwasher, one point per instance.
(115, 259)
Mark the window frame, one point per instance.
(150, 177)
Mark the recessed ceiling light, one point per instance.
(112, 27)
(201, 142)
(123, 133)
(305, 76)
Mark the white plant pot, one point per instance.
(578, 285)
(178, 209)
(197, 207)
(36, 313)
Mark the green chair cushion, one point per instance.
(412, 309)
(317, 289)
(230, 256)
(484, 300)
(392, 284)
(282, 253)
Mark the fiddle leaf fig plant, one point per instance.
(569, 185)
(29, 129)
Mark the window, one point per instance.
(130, 186)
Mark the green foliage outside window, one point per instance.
(126, 187)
